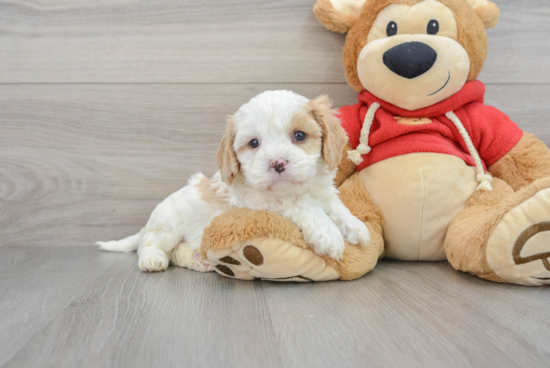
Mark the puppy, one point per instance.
(280, 152)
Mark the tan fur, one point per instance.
(242, 148)
(519, 175)
(241, 224)
(334, 136)
(226, 157)
(304, 121)
(346, 167)
(360, 260)
(466, 240)
(471, 34)
(528, 161)
(207, 192)
(333, 19)
(489, 14)
(355, 197)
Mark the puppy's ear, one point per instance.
(487, 11)
(338, 15)
(334, 136)
(226, 157)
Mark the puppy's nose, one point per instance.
(278, 165)
(410, 59)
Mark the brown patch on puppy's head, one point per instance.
(304, 121)
(322, 129)
(226, 157)
(334, 136)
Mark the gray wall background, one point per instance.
(107, 106)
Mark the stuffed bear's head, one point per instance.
(411, 53)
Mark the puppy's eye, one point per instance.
(254, 143)
(433, 27)
(300, 136)
(392, 29)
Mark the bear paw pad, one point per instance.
(271, 259)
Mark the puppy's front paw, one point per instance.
(356, 232)
(353, 230)
(327, 239)
(152, 259)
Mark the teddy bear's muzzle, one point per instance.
(410, 59)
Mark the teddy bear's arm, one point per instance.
(346, 167)
(528, 161)
(247, 244)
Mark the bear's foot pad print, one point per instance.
(271, 259)
(518, 250)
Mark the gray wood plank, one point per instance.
(127, 318)
(402, 314)
(212, 41)
(80, 163)
(409, 314)
(522, 311)
(95, 160)
(171, 41)
(37, 284)
(519, 53)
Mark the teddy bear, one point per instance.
(433, 172)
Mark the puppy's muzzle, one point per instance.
(278, 165)
(410, 59)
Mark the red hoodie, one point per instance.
(396, 131)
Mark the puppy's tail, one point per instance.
(128, 244)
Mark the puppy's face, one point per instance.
(280, 139)
(412, 57)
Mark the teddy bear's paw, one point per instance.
(270, 259)
(152, 259)
(518, 250)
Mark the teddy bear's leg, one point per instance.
(248, 245)
(526, 163)
(360, 260)
(503, 235)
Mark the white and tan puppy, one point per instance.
(279, 153)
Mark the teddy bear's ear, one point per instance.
(338, 15)
(487, 11)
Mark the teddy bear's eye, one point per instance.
(392, 29)
(433, 27)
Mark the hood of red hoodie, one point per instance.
(471, 92)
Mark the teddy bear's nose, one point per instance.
(410, 60)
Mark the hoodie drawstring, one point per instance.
(363, 148)
(482, 178)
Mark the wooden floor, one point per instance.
(77, 307)
(108, 106)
